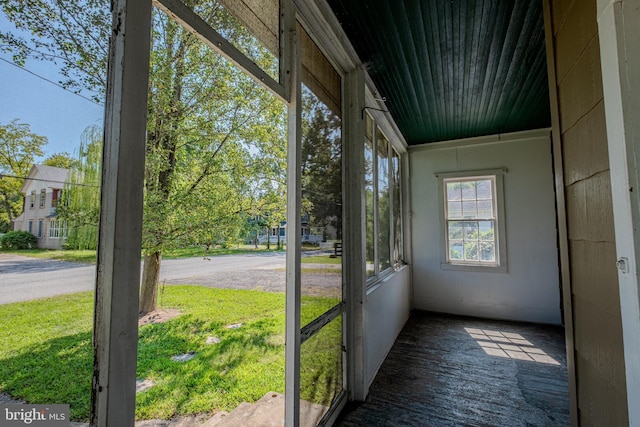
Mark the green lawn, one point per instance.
(46, 352)
(89, 256)
(321, 259)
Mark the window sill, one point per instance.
(385, 276)
(473, 268)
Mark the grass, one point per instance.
(47, 357)
(321, 259)
(89, 256)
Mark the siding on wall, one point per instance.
(601, 388)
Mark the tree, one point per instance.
(208, 124)
(18, 149)
(59, 160)
(80, 207)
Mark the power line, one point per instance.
(49, 81)
(47, 180)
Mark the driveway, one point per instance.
(23, 278)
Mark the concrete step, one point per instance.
(269, 412)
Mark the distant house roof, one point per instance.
(49, 175)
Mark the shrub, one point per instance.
(18, 240)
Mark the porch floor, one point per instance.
(448, 370)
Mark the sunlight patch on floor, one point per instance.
(509, 345)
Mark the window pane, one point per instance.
(469, 209)
(384, 212)
(470, 230)
(320, 372)
(455, 250)
(487, 251)
(454, 191)
(484, 189)
(369, 194)
(486, 229)
(471, 251)
(455, 230)
(468, 190)
(454, 210)
(321, 272)
(485, 209)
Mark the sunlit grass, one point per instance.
(321, 259)
(46, 354)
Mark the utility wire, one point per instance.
(47, 180)
(49, 81)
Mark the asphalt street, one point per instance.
(24, 278)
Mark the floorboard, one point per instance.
(457, 371)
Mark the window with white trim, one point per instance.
(43, 197)
(383, 203)
(473, 219)
(32, 199)
(57, 229)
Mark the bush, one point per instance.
(18, 240)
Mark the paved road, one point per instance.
(23, 278)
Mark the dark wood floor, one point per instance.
(457, 371)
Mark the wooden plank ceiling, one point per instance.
(453, 69)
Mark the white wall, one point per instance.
(387, 308)
(529, 290)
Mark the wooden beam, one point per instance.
(186, 17)
(563, 236)
(355, 232)
(294, 244)
(120, 236)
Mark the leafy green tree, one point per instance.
(208, 129)
(80, 206)
(18, 149)
(59, 160)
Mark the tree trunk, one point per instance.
(150, 278)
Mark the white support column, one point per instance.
(355, 232)
(619, 33)
(294, 223)
(118, 270)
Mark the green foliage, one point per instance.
(80, 201)
(59, 160)
(48, 357)
(18, 240)
(18, 149)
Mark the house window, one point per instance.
(57, 229)
(32, 199)
(40, 224)
(383, 205)
(472, 219)
(43, 197)
(55, 195)
(30, 226)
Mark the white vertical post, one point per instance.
(619, 33)
(294, 223)
(355, 232)
(120, 235)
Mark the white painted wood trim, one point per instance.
(120, 234)
(293, 259)
(186, 17)
(490, 139)
(354, 233)
(619, 34)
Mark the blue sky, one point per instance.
(59, 115)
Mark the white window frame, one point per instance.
(500, 264)
(57, 229)
(43, 198)
(32, 199)
(395, 265)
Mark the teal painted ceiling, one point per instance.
(453, 69)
